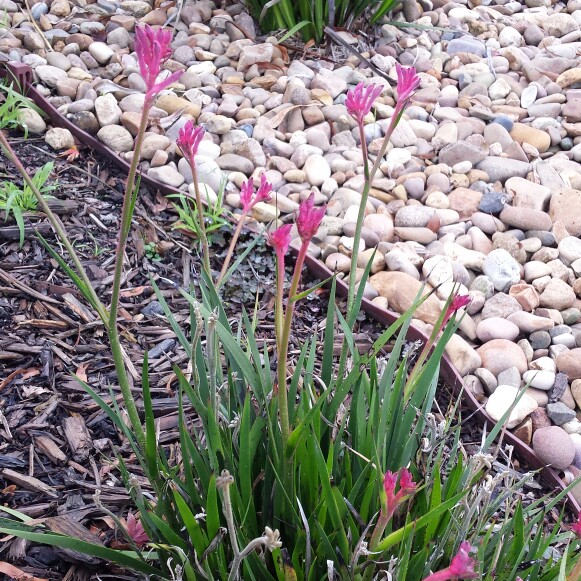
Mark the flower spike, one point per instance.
(458, 302)
(360, 100)
(189, 138)
(461, 566)
(280, 240)
(309, 218)
(247, 197)
(407, 486)
(152, 47)
(407, 82)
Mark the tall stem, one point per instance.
(369, 175)
(278, 307)
(379, 529)
(58, 228)
(126, 215)
(283, 347)
(200, 207)
(231, 248)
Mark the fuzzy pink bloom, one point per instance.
(461, 566)
(152, 47)
(360, 100)
(576, 527)
(247, 197)
(136, 531)
(407, 82)
(458, 302)
(189, 138)
(407, 486)
(280, 240)
(309, 218)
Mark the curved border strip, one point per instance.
(24, 77)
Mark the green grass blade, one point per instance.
(119, 557)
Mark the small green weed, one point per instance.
(151, 251)
(214, 216)
(15, 200)
(12, 103)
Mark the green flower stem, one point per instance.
(126, 215)
(384, 518)
(58, 228)
(369, 175)
(278, 307)
(398, 112)
(200, 207)
(283, 346)
(211, 355)
(231, 248)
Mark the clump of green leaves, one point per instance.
(12, 104)
(214, 214)
(311, 16)
(16, 200)
(151, 251)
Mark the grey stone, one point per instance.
(559, 413)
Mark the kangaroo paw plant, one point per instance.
(294, 461)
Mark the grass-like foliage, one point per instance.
(219, 503)
(16, 200)
(311, 16)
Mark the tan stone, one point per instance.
(124, 20)
(566, 206)
(172, 103)
(464, 201)
(569, 363)
(401, 289)
(524, 431)
(526, 295)
(569, 77)
(576, 391)
(131, 121)
(522, 133)
(464, 357)
(500, 354)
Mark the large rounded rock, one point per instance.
(569, 249)
(50, 76)
(565, 207)
(569, 363)
(317, 170)
(557, 295)
(59, 138)
(496, 328)
(116, 137)
(401, 289)
(502, 269)
(501, 401)
(501, 354)
(554, 447)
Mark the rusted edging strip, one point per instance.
(24, 77)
